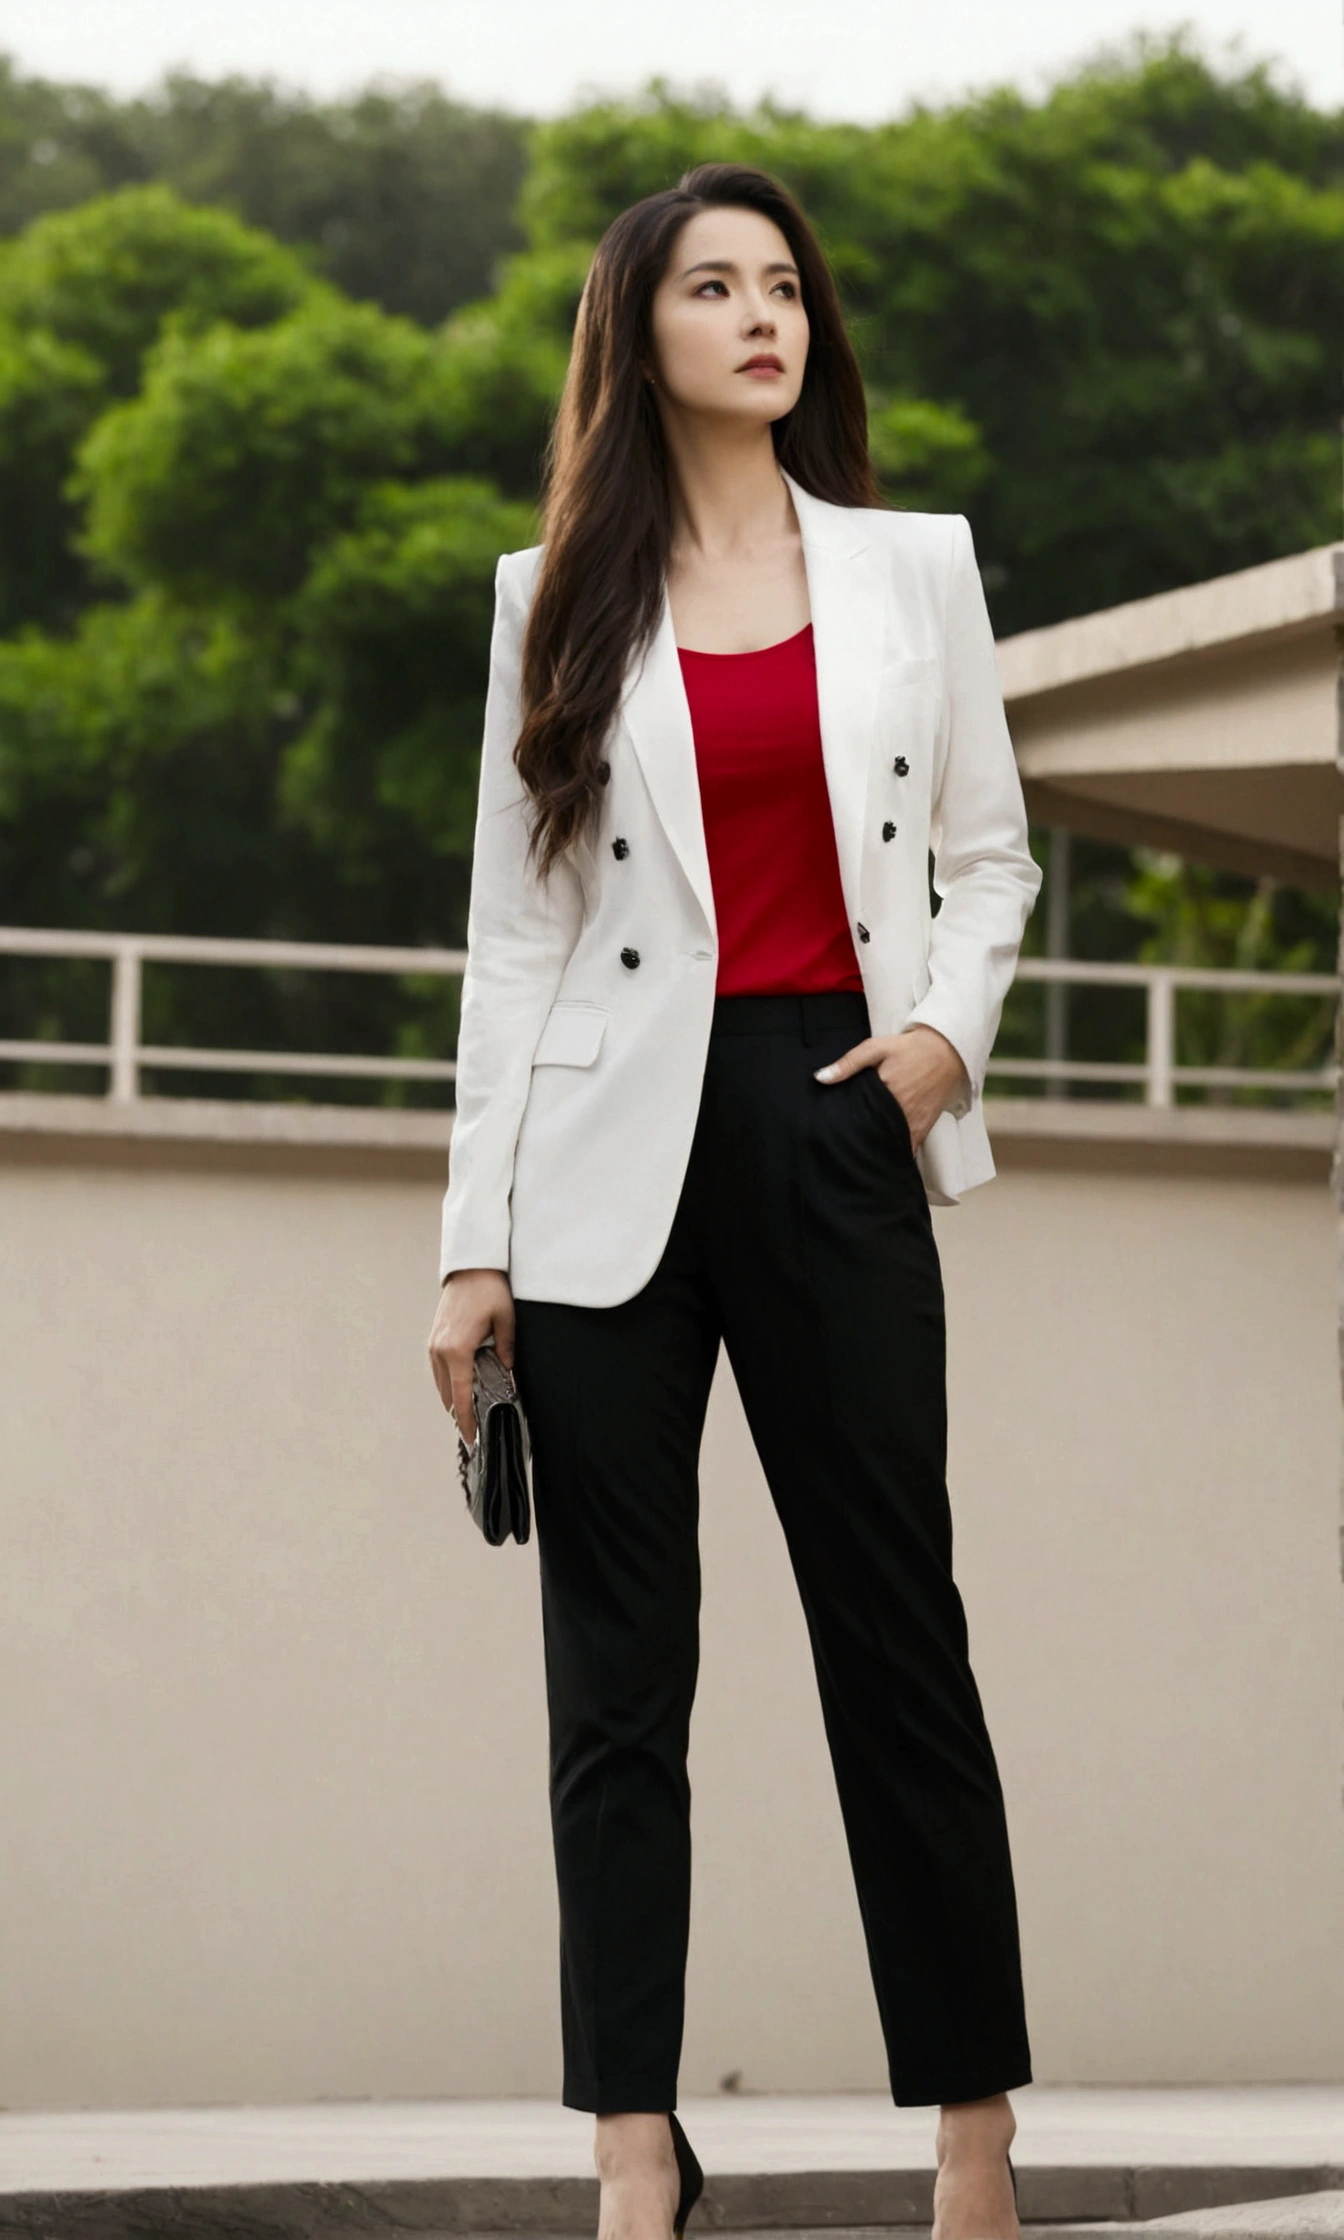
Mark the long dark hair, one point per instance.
(606, 505)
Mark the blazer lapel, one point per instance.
(847, 591)
(847, 595)
(658, 718)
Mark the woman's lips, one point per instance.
(765, 373)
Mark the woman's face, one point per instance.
(731, 293)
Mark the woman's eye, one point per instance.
(789, 286)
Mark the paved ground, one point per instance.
(1090, 2164)
(1299, 2215)
(1280, 2126)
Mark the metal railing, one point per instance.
(125, 1055)
(1158, 1071)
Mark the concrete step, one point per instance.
(1298, 2216)
(1252, 2162)
(1204, 2203)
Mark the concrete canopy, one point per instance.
(1205, 721)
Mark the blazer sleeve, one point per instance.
(520, 934)
(983, 870)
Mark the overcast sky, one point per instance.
(838, 58)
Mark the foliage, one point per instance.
(85, 296)
(393, 629)
(504, 363)
(108, 277)
(1198, 916)
(244, 452)
(50, 395)
(1150, 907)
(403, 197)
(303, 768)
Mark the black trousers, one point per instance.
(803, 1241)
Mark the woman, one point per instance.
(717, 1055)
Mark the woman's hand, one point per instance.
(919, 1066)
(473, 1303)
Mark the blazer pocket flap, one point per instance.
(572, 1035)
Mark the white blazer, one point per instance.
(587, 1003)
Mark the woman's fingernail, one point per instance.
(824, 1073)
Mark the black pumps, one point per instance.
(691, 2174)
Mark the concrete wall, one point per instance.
(273, 1752)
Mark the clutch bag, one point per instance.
(493, 1469)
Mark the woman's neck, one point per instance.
(728, 497)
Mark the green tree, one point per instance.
(244, 452)
(49, 396)
(405, 198)
(504, 362)
(270, 720)
(84, 297)
(303, 767)
(1196, 915)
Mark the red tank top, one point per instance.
(767, 816)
